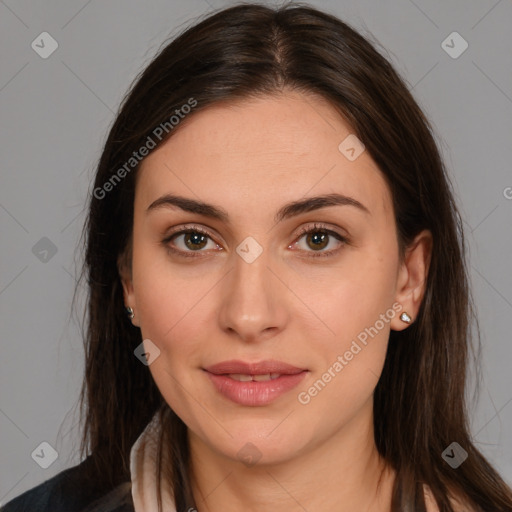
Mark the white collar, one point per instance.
(143, 471)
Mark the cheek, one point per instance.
(356, 307)
(346, 369)
(164, 292)
(349, 296)
(171, 311)
(173, 316)
(176, 306)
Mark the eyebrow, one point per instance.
(285, 212)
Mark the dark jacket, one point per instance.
(66, 492)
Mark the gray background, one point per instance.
(55, 114)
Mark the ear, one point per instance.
(124, 267)
(412, 278)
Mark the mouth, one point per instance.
(242, 377)
(268, 367)
(254, 384)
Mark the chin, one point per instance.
(252, 445)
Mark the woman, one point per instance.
(272, 212)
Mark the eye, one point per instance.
(194, 239)
(318, 237)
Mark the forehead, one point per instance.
(262, 152)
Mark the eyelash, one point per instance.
(304, 231)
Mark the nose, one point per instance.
(254, 300)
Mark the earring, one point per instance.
(405, 318)
(130, 312)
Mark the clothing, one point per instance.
(143, 471)
(65, 492)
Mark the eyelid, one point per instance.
(320, 226)
(191, 227)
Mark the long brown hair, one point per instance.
(252, 50)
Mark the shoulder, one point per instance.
(66, 492)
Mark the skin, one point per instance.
(250, 158)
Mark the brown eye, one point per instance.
(194, 240)
(317, 238)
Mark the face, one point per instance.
(310, 292)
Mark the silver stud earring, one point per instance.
(130, 312)
(405, 318)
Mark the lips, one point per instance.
(268, 367)
(254, 384)
(243, 377)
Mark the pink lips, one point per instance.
(274, 378)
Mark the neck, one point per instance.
(344, 473)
